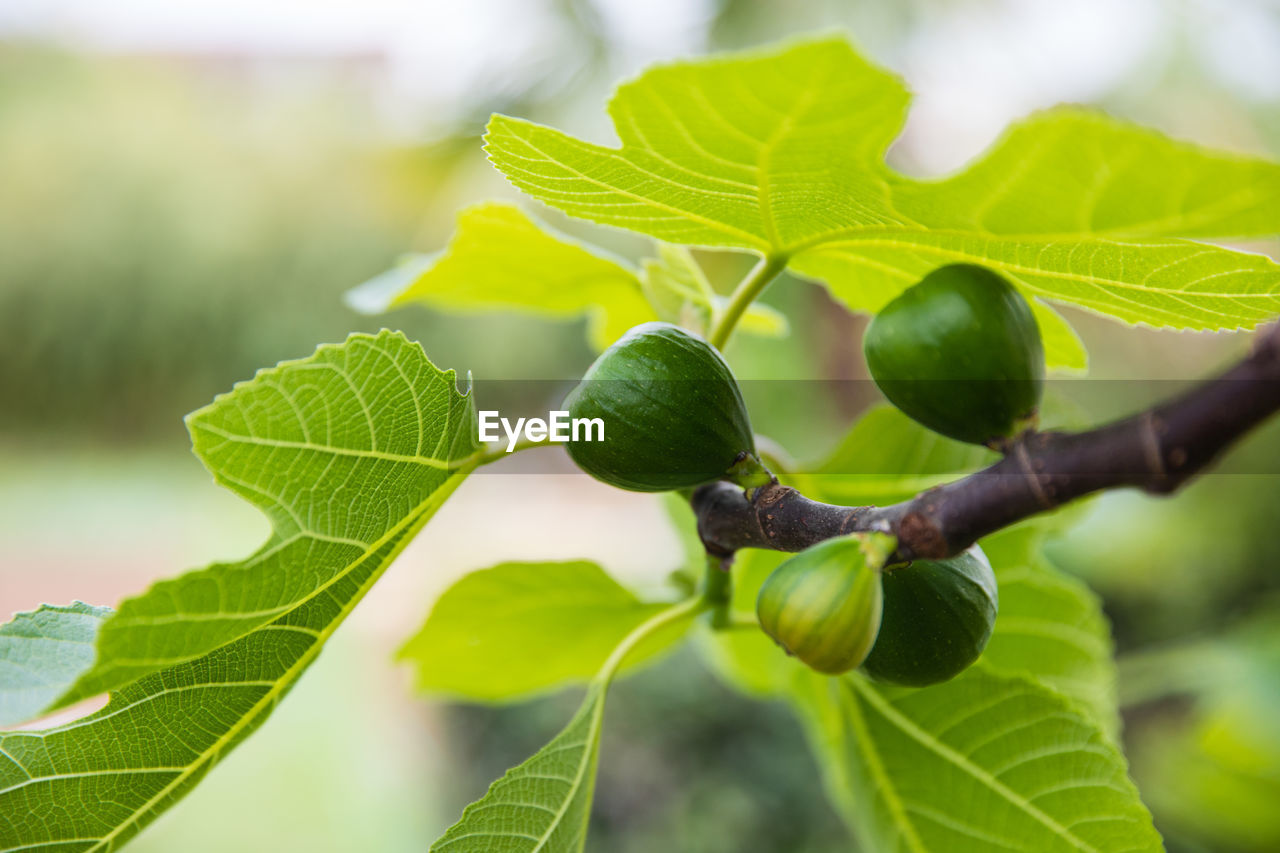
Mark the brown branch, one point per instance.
(1157, 450)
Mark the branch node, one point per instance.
(1157, 450)
(1029, 470)
(919, 537)
(1152, 428)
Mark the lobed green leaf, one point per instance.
(342, 451)
(500, 258)
(757, 151)
(348, 452)
(781, 152)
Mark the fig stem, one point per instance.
(717, 588)
(490, 453)
(743, 295)
(688, 608)
(749, 473)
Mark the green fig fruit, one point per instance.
(960, 352)
(823, 604)
(938, 616)
(672, 412)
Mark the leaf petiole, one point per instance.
(743, 295)
(686, 609)
(521, 804)
(496, 452)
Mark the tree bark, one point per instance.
(1157, 450)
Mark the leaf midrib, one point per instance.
(942, 750)
(259, 441)
(590, 744)
(1139, 232)
(271, 695)
(1179, 320)
(764, 190)
(885, 785)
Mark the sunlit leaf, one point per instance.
(983, 762)
(1050, 626)
(500, 258)
(680, 293)
(543, 805)
(519, 628)
(348, 453)
(759, 151)
(1063, 349)
(781, 152)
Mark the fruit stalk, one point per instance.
(1157, 451)
(717, 590)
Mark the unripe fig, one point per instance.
(823, 604)
(672, 412)
(960, 352)
(938, 616)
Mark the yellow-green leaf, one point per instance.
(348, 452)
(681, 294)
(519, 628)
(500, 258)
(781, 152)
(979, 763)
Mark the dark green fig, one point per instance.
(960, 352)
(823, 604)
(938, 616)
(672, 413)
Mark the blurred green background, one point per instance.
(187, 190)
